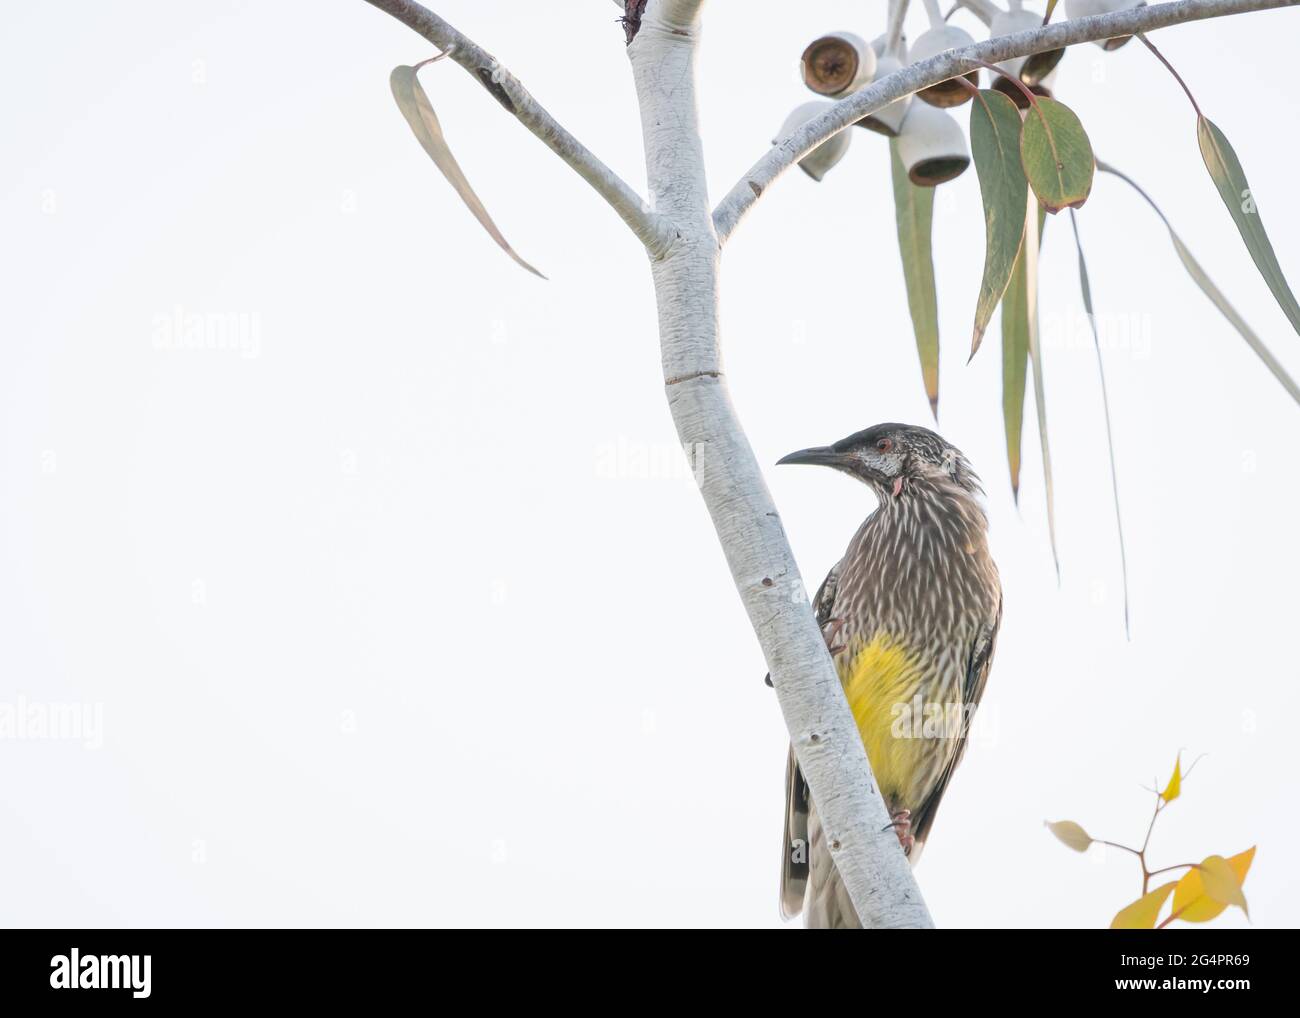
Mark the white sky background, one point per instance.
(392, 624)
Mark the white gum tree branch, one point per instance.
(684, 240)
(822, 729)
(651, 229)
(742, 197)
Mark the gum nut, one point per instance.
(888, 119)
(932, 146)
(837, 64)
(1030, 69)
(817, 162)
(933, 42)
(1087, 8)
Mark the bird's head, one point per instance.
(890, 457)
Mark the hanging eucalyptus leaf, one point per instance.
(1015, 355)
(1225, 169)
(1015, 363)
(1033, 237)
(914, 211)
(419, 115)
(995, 143)
(1057, 155)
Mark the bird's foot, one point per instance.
(829, 632)
(902, 825)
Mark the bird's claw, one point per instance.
(829, 631)
(902, 825)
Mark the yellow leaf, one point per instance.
(1221, 882)
(1141, 915)
(1071, 834)
(1191, 902)
(1175, 781)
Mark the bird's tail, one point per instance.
(794, 841)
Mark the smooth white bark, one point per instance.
(825, 737)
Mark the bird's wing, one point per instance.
(824, 600)
(977, 673)
(794, 842)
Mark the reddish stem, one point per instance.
(432, 60)
(961, 79)
(1170, 67)
(1033, 99)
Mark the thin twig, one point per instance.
(1175, 866)
(1024, 89)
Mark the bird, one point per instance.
(910, 615)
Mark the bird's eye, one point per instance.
(884, 445)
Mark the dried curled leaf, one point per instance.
(1071, 834)
(418, 111)
(1141, 915)
(1192, 903)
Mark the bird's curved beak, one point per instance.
(821, 455)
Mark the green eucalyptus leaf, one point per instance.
(1015, 363)
(1016, 324)
(914, 210)
(1033, 238)
(1230, 179)
(995, 143)
(1057, 155)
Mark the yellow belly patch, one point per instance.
(880, 679)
